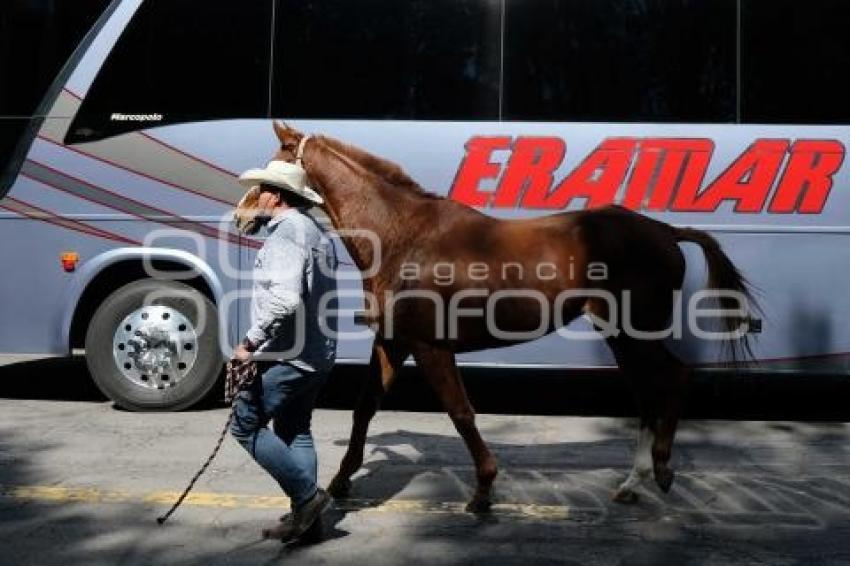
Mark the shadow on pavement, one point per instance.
(59, 379)
(713, 394)
(757, 512)
(767, 515)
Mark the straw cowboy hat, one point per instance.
(287, 176)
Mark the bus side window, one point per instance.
(391, 59)
(620, 60)
(181, 61)
(794, 61)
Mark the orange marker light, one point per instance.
(69, 261)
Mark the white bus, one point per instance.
(727, 115)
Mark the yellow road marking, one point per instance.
(88, 495)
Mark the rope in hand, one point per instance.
(239, 376)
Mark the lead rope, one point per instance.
(161, 520)
(238, 376)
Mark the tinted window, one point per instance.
(621, 60)
(403, 59)
(36, 39)
(179, 61)
(795, 57)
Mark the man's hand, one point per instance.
(242, 354)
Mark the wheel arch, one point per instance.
(109, 271)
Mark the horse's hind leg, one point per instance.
(669, 388)
(658, 379)
(383, 368)
(642, 467)
(440, 369)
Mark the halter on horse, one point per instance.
(412, 300)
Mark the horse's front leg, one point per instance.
(440, 369)
(386, 359)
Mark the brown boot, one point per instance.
(307, 514)
(284, 531)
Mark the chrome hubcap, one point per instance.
(155, 347)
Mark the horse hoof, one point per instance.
(664, 479)
(339, 488)
(624, 496)
(478, 506)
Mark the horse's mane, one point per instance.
(383, 168)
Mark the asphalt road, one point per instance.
(82, 482)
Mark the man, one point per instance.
(294, 269)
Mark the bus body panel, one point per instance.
(33, 286)
(172, 187)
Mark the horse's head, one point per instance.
(249, 214)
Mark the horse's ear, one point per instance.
(280, 130)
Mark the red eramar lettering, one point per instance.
(805, 185)
(655, 174)
(665, 167)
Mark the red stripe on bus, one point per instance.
(64, 223)
(134, 171)
(172, 218)
(72, 93)
(189, 155)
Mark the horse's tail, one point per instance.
(723, 275)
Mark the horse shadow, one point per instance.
(405, 465)
(578, 476)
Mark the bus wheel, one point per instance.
(153, 346)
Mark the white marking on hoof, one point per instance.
(642, 467)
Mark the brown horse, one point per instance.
(518, 272)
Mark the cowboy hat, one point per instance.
(283, 175)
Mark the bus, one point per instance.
(725, 115)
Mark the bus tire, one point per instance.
(151, 324)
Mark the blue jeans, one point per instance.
(288, 454)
